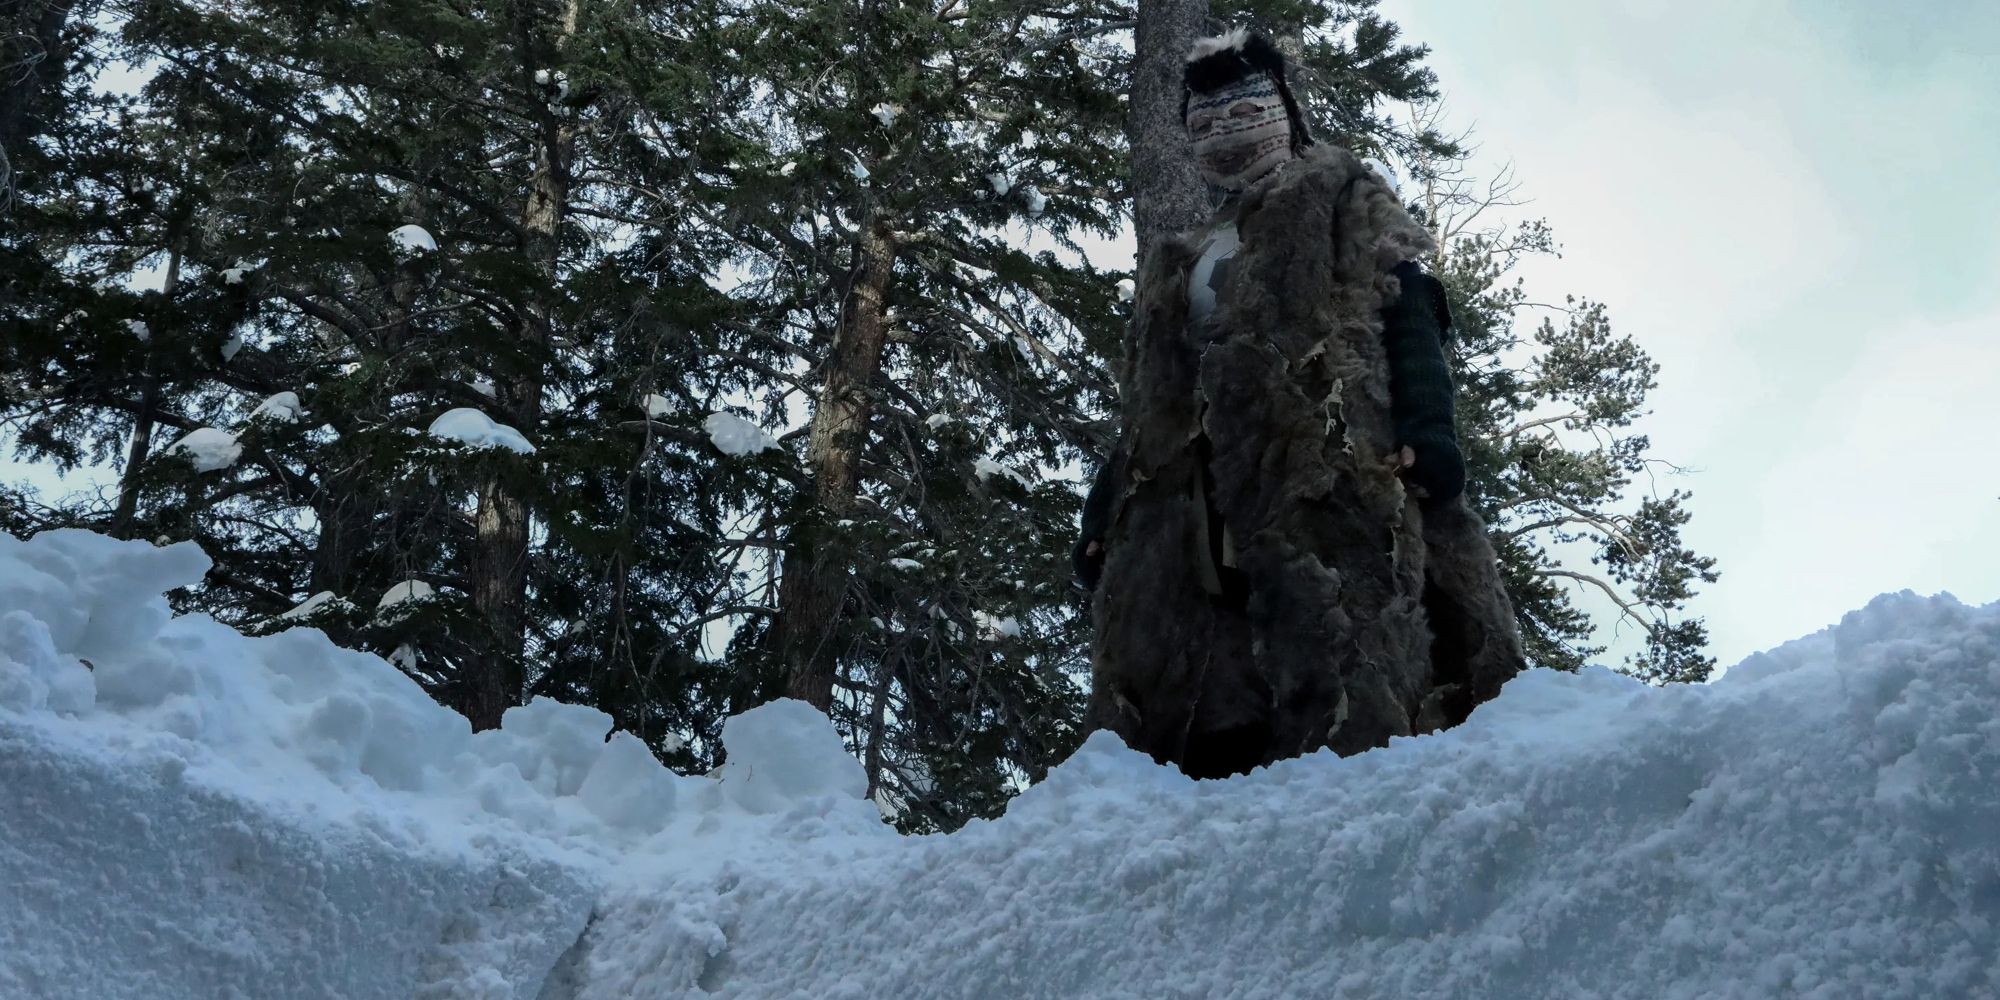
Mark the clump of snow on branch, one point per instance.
(733, 435)
(1035, 201)
(210, 449)
(557, 79)
(408, 590)
(474, 429)
(1126, 289)
(997, 626)
(280, 407)
(658, 406)
(886, 113)
(413, 238)
(406, 658)
(139, 329)
(309, 607)
(987, 468)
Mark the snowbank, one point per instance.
(189, 812)
(1825, 822)
(194, 813)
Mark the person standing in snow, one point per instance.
(1281, 556)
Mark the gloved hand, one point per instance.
(1087, 557)
(1433, 472)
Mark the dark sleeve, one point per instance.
(1420, 391)
(1096, 511)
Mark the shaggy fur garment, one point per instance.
(1286, 391)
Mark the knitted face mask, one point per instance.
(1240, 132)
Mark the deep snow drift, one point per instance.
(187, 812)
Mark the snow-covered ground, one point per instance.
(187, 812)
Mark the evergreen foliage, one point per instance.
(860, 226)
(1570, 491)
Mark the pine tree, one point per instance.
(879, 172)
(104, 209)
(413, 205)
(622, 229)
(39, 43)
(1547, 401)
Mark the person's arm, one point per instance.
(1420, 391)
(1087, 555)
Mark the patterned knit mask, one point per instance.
(1240, 132)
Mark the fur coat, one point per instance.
(1273, 419)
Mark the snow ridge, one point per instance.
(187, 812)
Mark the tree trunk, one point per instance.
(1168, 193)
(149, 399)
(814, 584)
(347, 514)
(135, 456)
(495, 678)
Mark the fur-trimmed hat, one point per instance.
(1218, 61)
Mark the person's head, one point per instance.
(1239, 110)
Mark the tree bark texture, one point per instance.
(135, 457)
(494, 679)
(1168, 193)
(813, 586)
(126, 513)
(1268, 426)
(348, 532)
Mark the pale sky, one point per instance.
(1794, 207)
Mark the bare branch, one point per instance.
(1627, 609)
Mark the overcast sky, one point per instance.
(1794, 207)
